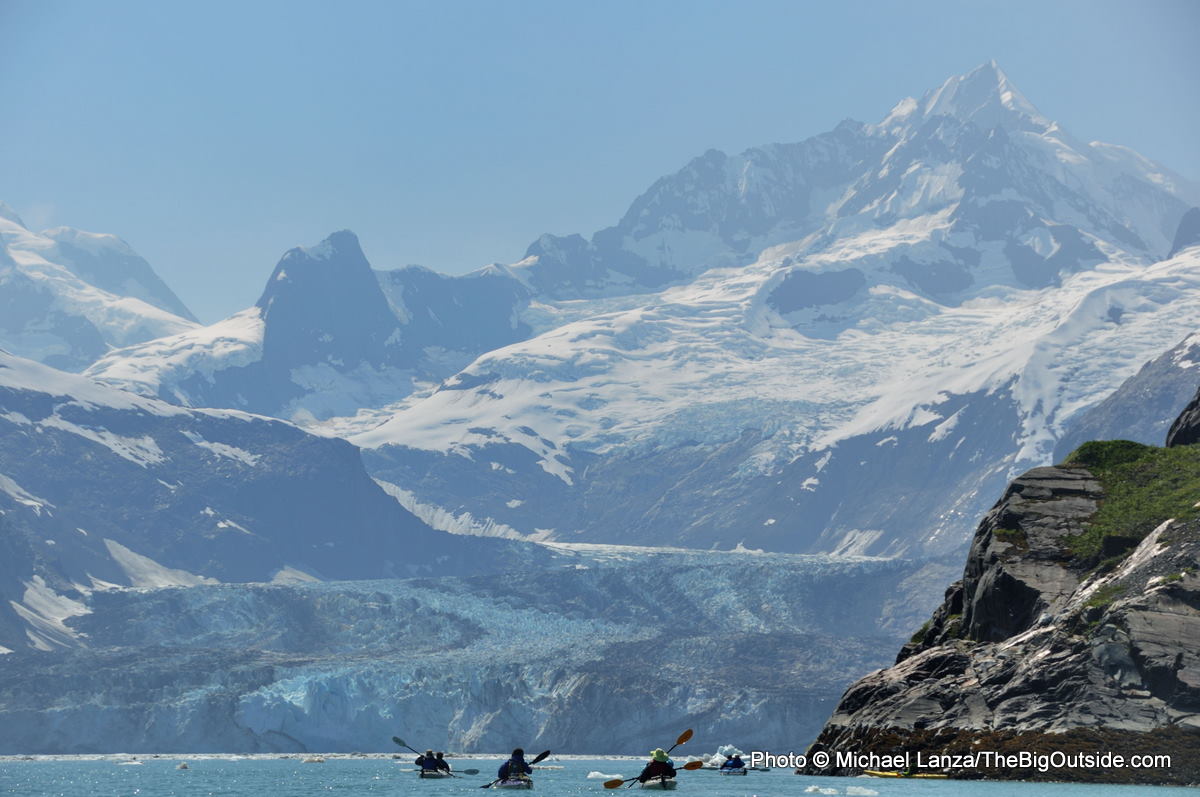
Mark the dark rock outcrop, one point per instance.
(1186, 429)
(1076, 625)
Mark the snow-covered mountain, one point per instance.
(846, 344)
(100, 488)
(68, 296)
(329, 336)
(867, 382)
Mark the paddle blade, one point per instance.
(468, 772)
(542, 756)
(614, 784)
(692, 765)
(683, 737)
(399, 741)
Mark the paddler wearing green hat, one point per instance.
(660, 766)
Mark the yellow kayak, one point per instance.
(875, 773)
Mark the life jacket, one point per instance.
(657, 769)
(514, 768)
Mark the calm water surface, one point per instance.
(293, 778)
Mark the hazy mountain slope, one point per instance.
(99, 487)
(1145, 404)
(67, 296)
(329, 336)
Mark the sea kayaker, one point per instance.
(427, 761)
(442, 763)
(515, 767)
(733, 762)
(660, 766)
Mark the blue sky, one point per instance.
(213, 136)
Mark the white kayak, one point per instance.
(665, 784)
(515, 783)
(732, 771)
(432, 773)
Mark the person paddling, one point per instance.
(427, 762)
(660, 766)
(515, 767)
(733, 762)
(442, 764)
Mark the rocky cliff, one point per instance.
(1075, 626)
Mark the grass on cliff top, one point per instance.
(1143, 486)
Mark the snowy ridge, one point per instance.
(70, 302)
(232, 343)
(706, 375)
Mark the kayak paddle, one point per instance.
(402, 743)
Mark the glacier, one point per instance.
(749, 646)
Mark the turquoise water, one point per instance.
(292, 778)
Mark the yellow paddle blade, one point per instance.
(683, 737)
(614, 784)
(693, 765)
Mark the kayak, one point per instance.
(665, 784)
(924, 775)
(732, 771)
(432, 773)
(515, 783)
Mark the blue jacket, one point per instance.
(734, 763)
(514, 766)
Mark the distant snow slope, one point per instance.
(67, 296)
(844, 344)
(938, 295)
(100, 488)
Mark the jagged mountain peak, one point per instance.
(986, 97)
(340, 244)
(326, 299)
(337, 263)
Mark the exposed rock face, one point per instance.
(1188, 233)
(1072, 619)
(1186, 429)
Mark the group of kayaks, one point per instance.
(655, 782)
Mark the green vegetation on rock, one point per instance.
(1104, 596)
(920, 633)
(1014, 537)
(1143, 486)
